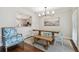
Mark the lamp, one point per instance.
(46, 12)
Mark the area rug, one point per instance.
(56, 47)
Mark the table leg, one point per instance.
(47, 45)
(39, 33)
(53, 38)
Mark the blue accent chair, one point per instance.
(10, 37)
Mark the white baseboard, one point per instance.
(66, 37)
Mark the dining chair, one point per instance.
(59, 38)
(47, 34)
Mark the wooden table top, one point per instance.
(46, 30)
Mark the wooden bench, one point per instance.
(49, 40)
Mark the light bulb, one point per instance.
(39, 14)
(48, 12)
(53, 12)
(43, 13)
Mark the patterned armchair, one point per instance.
(10, 37)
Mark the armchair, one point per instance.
(10, 37)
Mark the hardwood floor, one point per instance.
(24, 47)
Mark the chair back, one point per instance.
(7, 32)
(47, 34)
(10, 37)
(61, 35)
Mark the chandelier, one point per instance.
(46, 12)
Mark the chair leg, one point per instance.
(33, 40)
(6, 48)
(62, 42)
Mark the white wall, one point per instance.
(8, 19)
(65, 23)
(8, 16)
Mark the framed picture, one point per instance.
(24, 20)
(52, 22)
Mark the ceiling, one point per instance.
(41, 9)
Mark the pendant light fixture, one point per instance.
(46, 12)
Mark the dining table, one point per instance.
(53, 32)
(47, 39)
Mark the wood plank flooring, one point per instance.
(24, 47)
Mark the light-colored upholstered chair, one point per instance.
(47, 34)
(59, 38)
